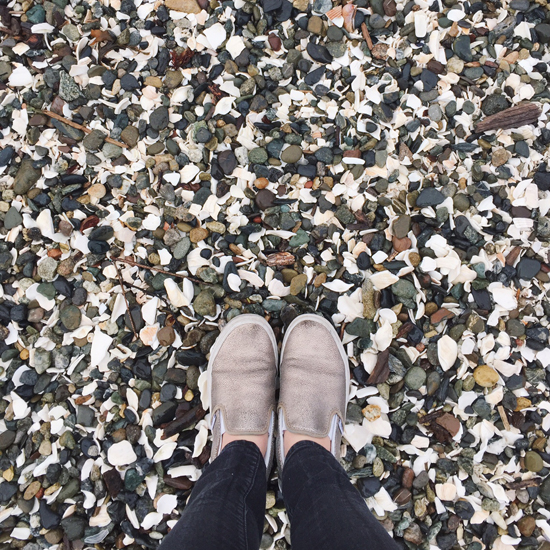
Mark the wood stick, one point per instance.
(513, 117)
(80, 127)
(126, 300)
(135, 264)
(503, 417)
(366, 35)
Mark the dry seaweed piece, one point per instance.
(382, 369)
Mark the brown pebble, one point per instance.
(431, 308)
(453, 523)
(119, 435)
(66, 267)
(166, 336)
(390, 7)
(275, 43)
(54, 536)
(449, 423)
(407, 478)
(413, 534)
(66, 228)
(35, 315)
(198, 234)
(526, 525)
(442, 315)
(261, 183)
(400, 245)
(319, 280)
(31, 490)
(402, 496)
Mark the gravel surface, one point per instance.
(166, 166)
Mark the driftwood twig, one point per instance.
(158, 270)
(126, 300)
(51, 114)
(513, 117)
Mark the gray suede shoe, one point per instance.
(242, 371)
(314, 383)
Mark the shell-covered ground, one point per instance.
(166, 166)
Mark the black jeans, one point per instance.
(226, 508)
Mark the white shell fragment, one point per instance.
(447, 352)
(121, 454)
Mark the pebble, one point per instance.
(485, 376)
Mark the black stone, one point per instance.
(101, 233)
(164, 413)
(319, 53)
(7, 490)
(227, 161)
(429, 80)
(314, 76)
(368, 486)
(482, 299)
(6, 155)
(129, 82)
(542, 180)
(48, 518)
(528, 268)
(429, 197)
(188, 357)
(271, 5)
(363, 261)
(464, 510)
(98, 247)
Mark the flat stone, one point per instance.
(291, 154)
(71, 317)
(26, 178)
(533, 461)
(429, 197)
(13, 218)
(204, 304)
(401, 226)
(184, 6)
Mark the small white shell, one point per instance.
(166, 504)
(383, 279)
(165, 452)
(175, 294)
(121, 454)
(447, 352)
(338, 286)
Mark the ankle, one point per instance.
(291, 439)
(260, 441)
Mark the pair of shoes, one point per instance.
(314, 382)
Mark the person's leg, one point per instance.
(226, 507)
(326, 511)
